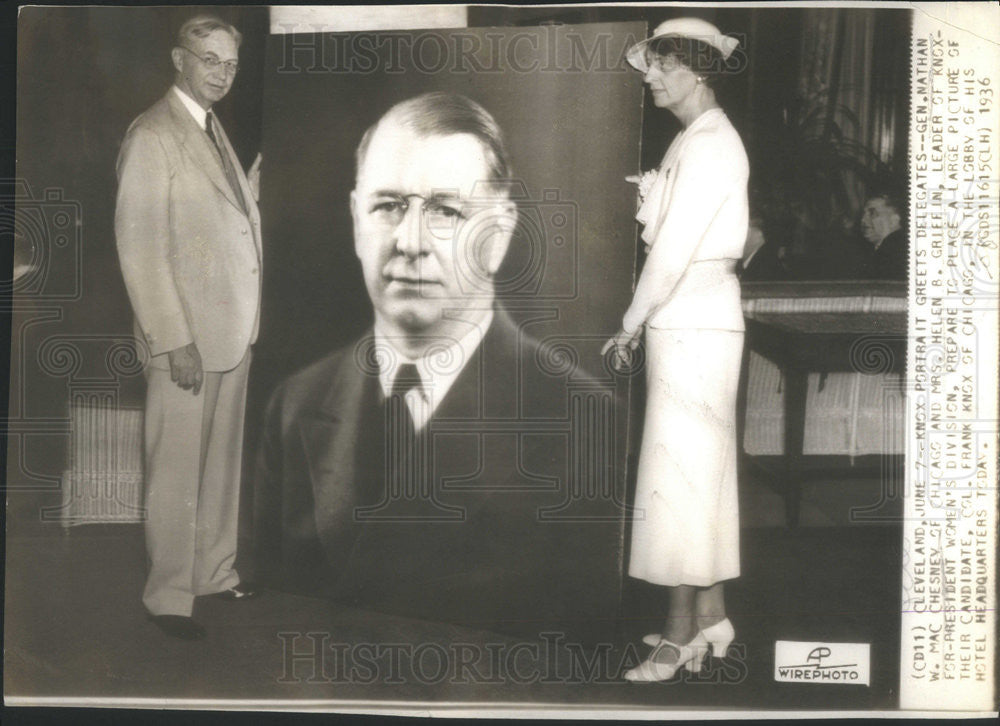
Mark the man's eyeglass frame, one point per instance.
(211, 62)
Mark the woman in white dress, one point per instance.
(685, 534)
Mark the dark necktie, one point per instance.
(407, 378)
(405, 459)
(227, 164)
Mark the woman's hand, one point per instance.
(623, 343)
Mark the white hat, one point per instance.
(691, 28)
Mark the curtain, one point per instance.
(851, 75)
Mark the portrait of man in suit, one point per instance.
(188, 235)
(423, 469)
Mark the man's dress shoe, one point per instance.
(242, 591)
(179, 626)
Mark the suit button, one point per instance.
(253, 271)
(244, 230)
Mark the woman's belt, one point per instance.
(722, 265)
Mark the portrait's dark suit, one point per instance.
(496, 453)
(189, 245)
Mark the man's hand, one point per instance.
(624, 344)
(253, 177)
(185, 367)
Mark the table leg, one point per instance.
(796, 385)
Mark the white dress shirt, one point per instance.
(438, 370)
(192, 106)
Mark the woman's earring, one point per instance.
(700, 79)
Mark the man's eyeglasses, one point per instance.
(211, 62)
(441, 215)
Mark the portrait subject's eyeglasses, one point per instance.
(211, 62)
(441, 215)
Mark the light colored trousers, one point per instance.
(193, 449)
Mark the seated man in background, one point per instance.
(882, 227)
(421, 469)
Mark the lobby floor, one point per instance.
(74, 627)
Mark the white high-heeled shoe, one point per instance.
(689, 656)
(720, 636)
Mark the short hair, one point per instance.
(894, 199)
(697, 56)
(200, 26)
(442, 114)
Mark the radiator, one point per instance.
(103, 483)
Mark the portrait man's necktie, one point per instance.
(227, 164)
(406, 475)
(407, 378)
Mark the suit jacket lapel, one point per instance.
(241, 177)
(199, 146)
(488, 373)
(329, 438)
(330, 433)
(485, 389)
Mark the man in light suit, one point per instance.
(422, 469)
(188, 236)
